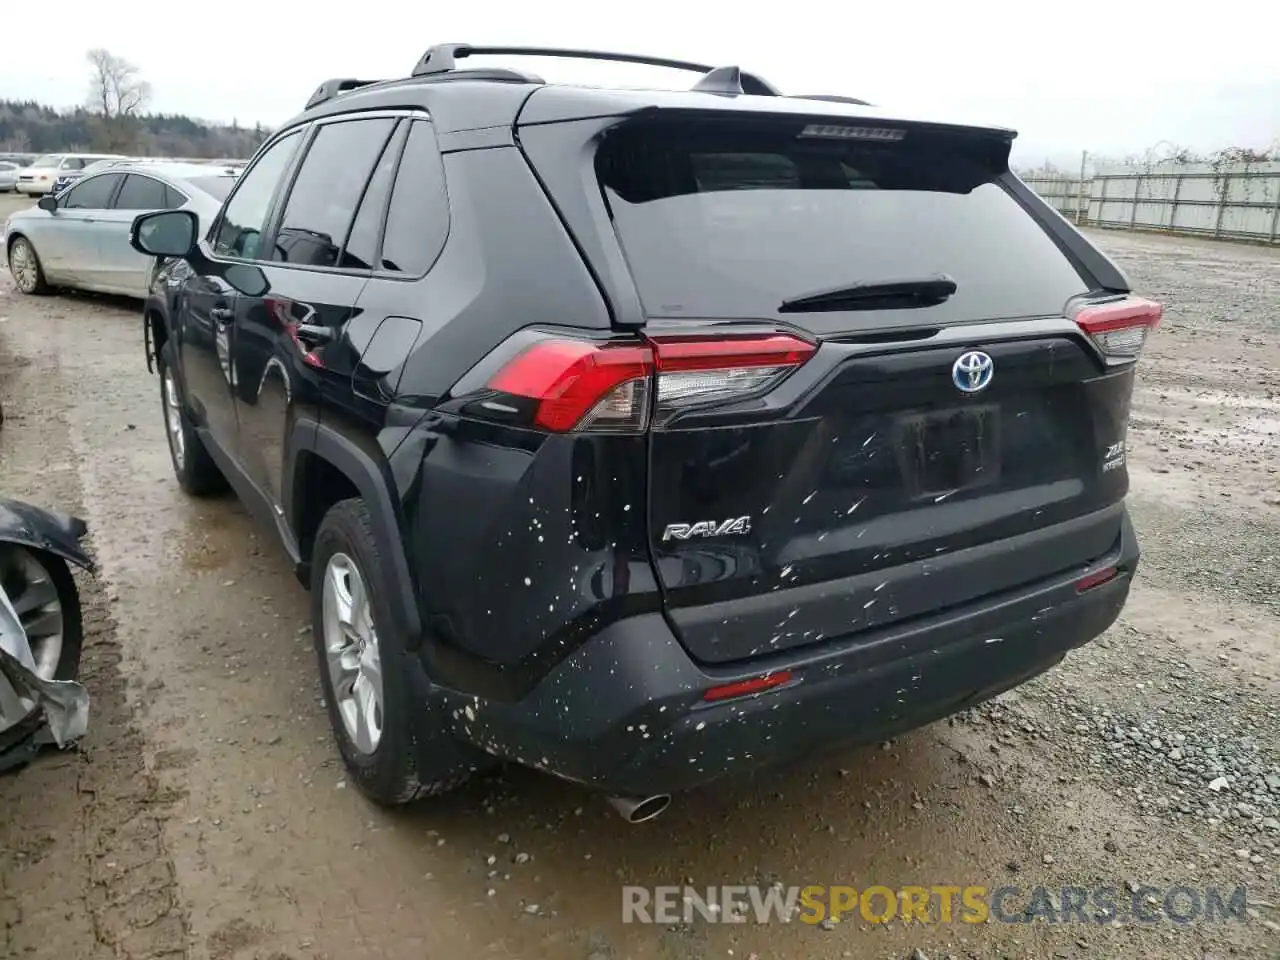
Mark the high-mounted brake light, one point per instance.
(1120, 327)
(579, 385)
(838, 131)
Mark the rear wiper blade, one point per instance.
(875, 295)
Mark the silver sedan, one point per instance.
(80, 238)
(8, 176)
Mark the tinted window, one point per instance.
(240, 229)
(174, 198)
(418, 221)
(7, 166)
(142, 193)
(216, 187)
(326, 192)
(731, 221)
(91, 194)
(362, 244)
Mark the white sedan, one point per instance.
(80, 238)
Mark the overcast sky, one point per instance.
(1111, 76)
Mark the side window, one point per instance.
(172, 198)
(73, 163)
(326, 192)
(239, 231)
(362, 244)
(418, 221)
(142, 193)
(91, 194)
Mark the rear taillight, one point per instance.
(694, 372)
(1120, 327)
(580, 385)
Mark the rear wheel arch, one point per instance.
(326, 468)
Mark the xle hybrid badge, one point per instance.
(972, 371)
(707, 528)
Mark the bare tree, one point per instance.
(117, 94)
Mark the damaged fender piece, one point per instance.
(65, 702)
(56, 533)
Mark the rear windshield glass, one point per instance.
(216, 187)
(724, 220)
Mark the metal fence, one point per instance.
(1239, 201)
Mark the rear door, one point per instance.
(123, 269)
(283, 337)
(873, 407)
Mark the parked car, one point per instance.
(647, 437)
(68, 177)
(80, 237)
(8, 176)
(39, 178)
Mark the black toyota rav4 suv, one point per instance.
(646, 437)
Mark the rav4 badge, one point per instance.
(707, 528)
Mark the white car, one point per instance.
(8, 176)
(39, 178)
(80, 238)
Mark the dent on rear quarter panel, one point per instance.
(526, 544)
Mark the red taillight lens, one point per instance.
(579, 385)
(1120, 327)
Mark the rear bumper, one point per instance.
(625, 712)
(34, 187)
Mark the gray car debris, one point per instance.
(41, 632)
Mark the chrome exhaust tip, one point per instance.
(640, 809)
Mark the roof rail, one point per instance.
(443, 57)
(831, 98)
(336, 87)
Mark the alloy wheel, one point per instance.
(352, 654)
(34, 597)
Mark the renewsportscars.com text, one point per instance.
(816, 904)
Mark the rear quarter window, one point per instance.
(725, 220)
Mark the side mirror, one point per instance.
(48, 202)
(166, 233)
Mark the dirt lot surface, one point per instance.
(207, 816)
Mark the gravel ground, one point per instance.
(206, 815)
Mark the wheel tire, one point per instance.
(72, 635)
(394, 771)
(196, 471)
(31, 283)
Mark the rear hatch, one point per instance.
(874, 401)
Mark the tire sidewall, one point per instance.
(166, 371)
(34, 256)
(391, 769)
